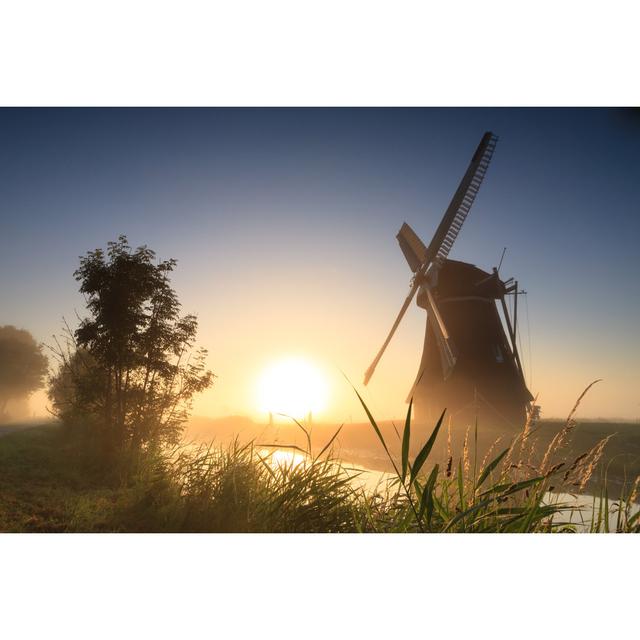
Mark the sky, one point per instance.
(283, 223)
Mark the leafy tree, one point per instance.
(76, 391)
(135, 369)
(23, 366)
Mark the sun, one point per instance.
(292, 386)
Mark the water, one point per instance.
(580, 512)
(584, 508)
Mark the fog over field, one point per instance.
(283, 223)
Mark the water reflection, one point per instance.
(361, 477)
(579, 510)
(283, 457)
(585, 508)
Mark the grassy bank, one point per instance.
(48, 483)
(46, 486)
(358, 443)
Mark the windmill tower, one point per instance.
(470, 365)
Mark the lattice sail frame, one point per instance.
(444, 237)
(463, 199)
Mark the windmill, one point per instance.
(469, 365)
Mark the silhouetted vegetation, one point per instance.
(506, 493)
(46, 486)
(128, 373)
(23, 367)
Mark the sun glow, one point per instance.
(294, 387)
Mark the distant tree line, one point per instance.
(23, 368)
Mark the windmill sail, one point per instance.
(421, 260)
(460, 204)
(412, 247)
(446, 347)
(405, 305)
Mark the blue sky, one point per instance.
(283, 223)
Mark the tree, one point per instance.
(135, 368)
(23, 366)
(76, 390)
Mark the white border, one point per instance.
(317, 53)
(317, 586)
(329, 52)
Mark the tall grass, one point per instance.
(508, 493)
(248, 488)
(456, 499)
(252, 488)
(240, 488)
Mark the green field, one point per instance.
(47, 484)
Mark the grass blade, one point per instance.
(491, 466)
(377, 430)
(326, 446)
(508, 488)
(467, 512)
(426, 450)
(426, 502)
(406, 437)
(306, 433)
(460, 480)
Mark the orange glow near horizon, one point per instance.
(293, 386)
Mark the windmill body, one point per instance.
(486, 382)
(470, 365)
